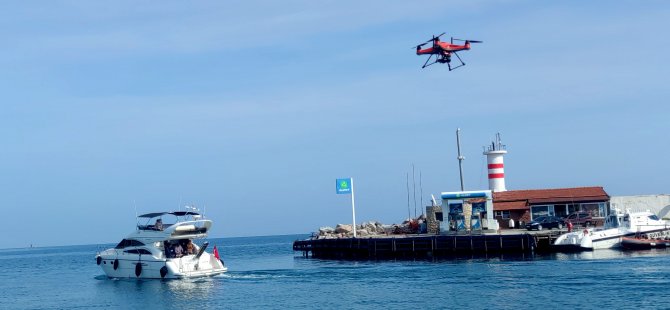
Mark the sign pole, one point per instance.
(353, 208)
(346, 186)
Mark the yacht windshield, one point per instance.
(128, 242)
(138, 251)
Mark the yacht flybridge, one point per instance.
(163, 247)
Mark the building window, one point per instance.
(561, 210)
(595, 209)
(537, 211)
(572, 208)
(502, 214)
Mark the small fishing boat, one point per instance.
(158, 250)
(642, 243)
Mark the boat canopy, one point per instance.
(175, 213)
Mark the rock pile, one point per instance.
(372, 229)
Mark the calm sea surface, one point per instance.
(264, 273)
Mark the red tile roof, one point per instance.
(520, 199)
(510, 205)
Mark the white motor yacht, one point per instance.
(163, 250)
(616, 226)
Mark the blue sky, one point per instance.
(252, 109)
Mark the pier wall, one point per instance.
(421, 246)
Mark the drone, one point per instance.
(443, 50)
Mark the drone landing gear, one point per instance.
(444, 59)
(448, 61)
(426, 64)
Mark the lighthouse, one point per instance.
(494, 157)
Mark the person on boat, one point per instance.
(169, 250)
(159, 224)
(178, 250)
(190, 249)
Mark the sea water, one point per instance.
(264, 273)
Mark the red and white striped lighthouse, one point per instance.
(494, 157)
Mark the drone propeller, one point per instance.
(471, 41)
(431, 40)
(420, 45)
(441, 34)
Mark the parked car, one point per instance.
(580, 218)
(543, 222)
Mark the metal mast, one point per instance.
(460, 157)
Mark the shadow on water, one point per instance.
(602, 254)
(440, 259)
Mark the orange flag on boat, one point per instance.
(216, 253)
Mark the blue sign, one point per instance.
(462, 195)
(343, 186)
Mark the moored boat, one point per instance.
(617, 225)
(163, 251)
(643, 243)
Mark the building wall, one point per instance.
(520, 217)
(654, 203)
(433, 225)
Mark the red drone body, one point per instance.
(443, 51)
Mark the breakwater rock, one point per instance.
(372, 228)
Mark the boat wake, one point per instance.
(254, 275)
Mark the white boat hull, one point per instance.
(153, 268)
(601, 239)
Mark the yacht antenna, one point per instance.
(137, 221)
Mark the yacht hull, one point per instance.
(124, 266)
